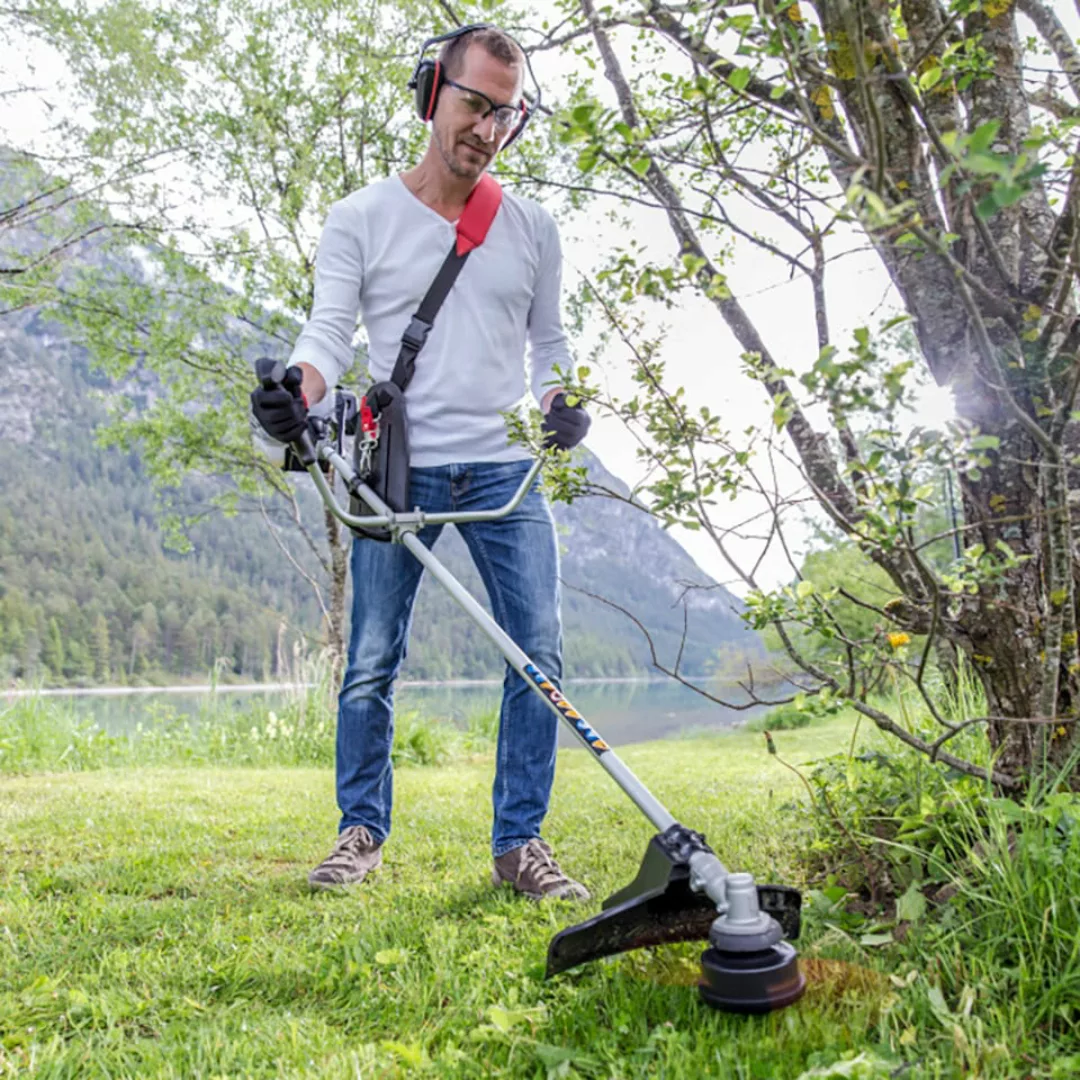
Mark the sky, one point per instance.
(700, 353)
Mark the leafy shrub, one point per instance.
(481, 729)
(38, 730)
(422, 741)
(802, 711)
(979, 893)
(781, 718)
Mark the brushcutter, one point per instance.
(682, 891)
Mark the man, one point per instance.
(380, 251)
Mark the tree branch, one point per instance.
(1057, 37)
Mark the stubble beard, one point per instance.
(454, 164)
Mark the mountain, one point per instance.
(89, 591)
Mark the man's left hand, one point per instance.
(565, 425)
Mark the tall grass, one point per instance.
(48, 734)
(976, 895)
(1009, 936)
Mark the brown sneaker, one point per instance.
(533, 872)
(354, 854)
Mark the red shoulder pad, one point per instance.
(480, 209)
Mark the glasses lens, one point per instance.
(472, 102)
(505, 116)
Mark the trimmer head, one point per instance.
(751, 982)
(747, 969)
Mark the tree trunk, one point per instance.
(339, 574)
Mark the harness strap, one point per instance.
(472, 228)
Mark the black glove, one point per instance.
(282, 411)
(565, 425)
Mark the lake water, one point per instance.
(621, 711)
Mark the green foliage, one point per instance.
(879, 818)
(784, 718)
(823, 623)
(1013, 176)
(44, 219)
(968, 898)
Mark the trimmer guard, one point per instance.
(659, 907)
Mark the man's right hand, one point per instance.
(282, 411)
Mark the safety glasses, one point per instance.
(480, 106)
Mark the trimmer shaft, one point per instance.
(681, 885)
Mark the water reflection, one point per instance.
(621, 711)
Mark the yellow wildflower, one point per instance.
(898, 638)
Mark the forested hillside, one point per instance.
(91, 593)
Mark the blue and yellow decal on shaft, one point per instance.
(553, 695)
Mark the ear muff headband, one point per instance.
(427, 81)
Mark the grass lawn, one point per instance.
(156, 922)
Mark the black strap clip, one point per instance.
(416, 333)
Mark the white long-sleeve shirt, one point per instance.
(380, 250)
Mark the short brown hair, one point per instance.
(495, 42)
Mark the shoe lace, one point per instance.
(537, 860)
(354, 841)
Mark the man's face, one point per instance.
(466, 142)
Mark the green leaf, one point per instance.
(414, 1056)
(739, 79)
(641, 165)
(929, 79)
(553, 1055)
(937, 1003)
(500, 1017)
(911, 907)
(391, 957)
(586, 161)
(874, 941)
(983, 136)
(987, 206)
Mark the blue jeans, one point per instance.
(517, 558)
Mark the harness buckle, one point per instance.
(416, 333)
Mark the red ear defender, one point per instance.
(436, 81)
(427, 95)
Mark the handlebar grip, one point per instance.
(305, 449)
(271, 374)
